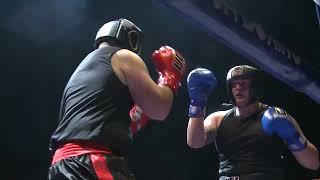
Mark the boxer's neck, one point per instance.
(246, 111)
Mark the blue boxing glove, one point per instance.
(201, 83)
(277, 121)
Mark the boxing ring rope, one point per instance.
(225, 25)
(317, 3)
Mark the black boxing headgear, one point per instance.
(122, 33)
(243, 72)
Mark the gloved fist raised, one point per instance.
(170, 65)
(138, 119)
(201, 83)
(277, 121)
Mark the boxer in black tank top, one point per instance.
(251, 136)
(92, 137)
(244, 148)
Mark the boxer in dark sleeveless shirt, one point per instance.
(92, 137)
(251, 136)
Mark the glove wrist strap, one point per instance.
(299, 145)
(169, 81)
(197, 111)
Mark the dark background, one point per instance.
(42, 42)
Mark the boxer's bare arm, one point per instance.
(309, 157)
(202, 132)
(133, 72)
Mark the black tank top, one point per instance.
(95, 105)
(245, 149)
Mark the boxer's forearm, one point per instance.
(195, 133)
(309, 157)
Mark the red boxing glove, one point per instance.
(138, 119)
(170, 65)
